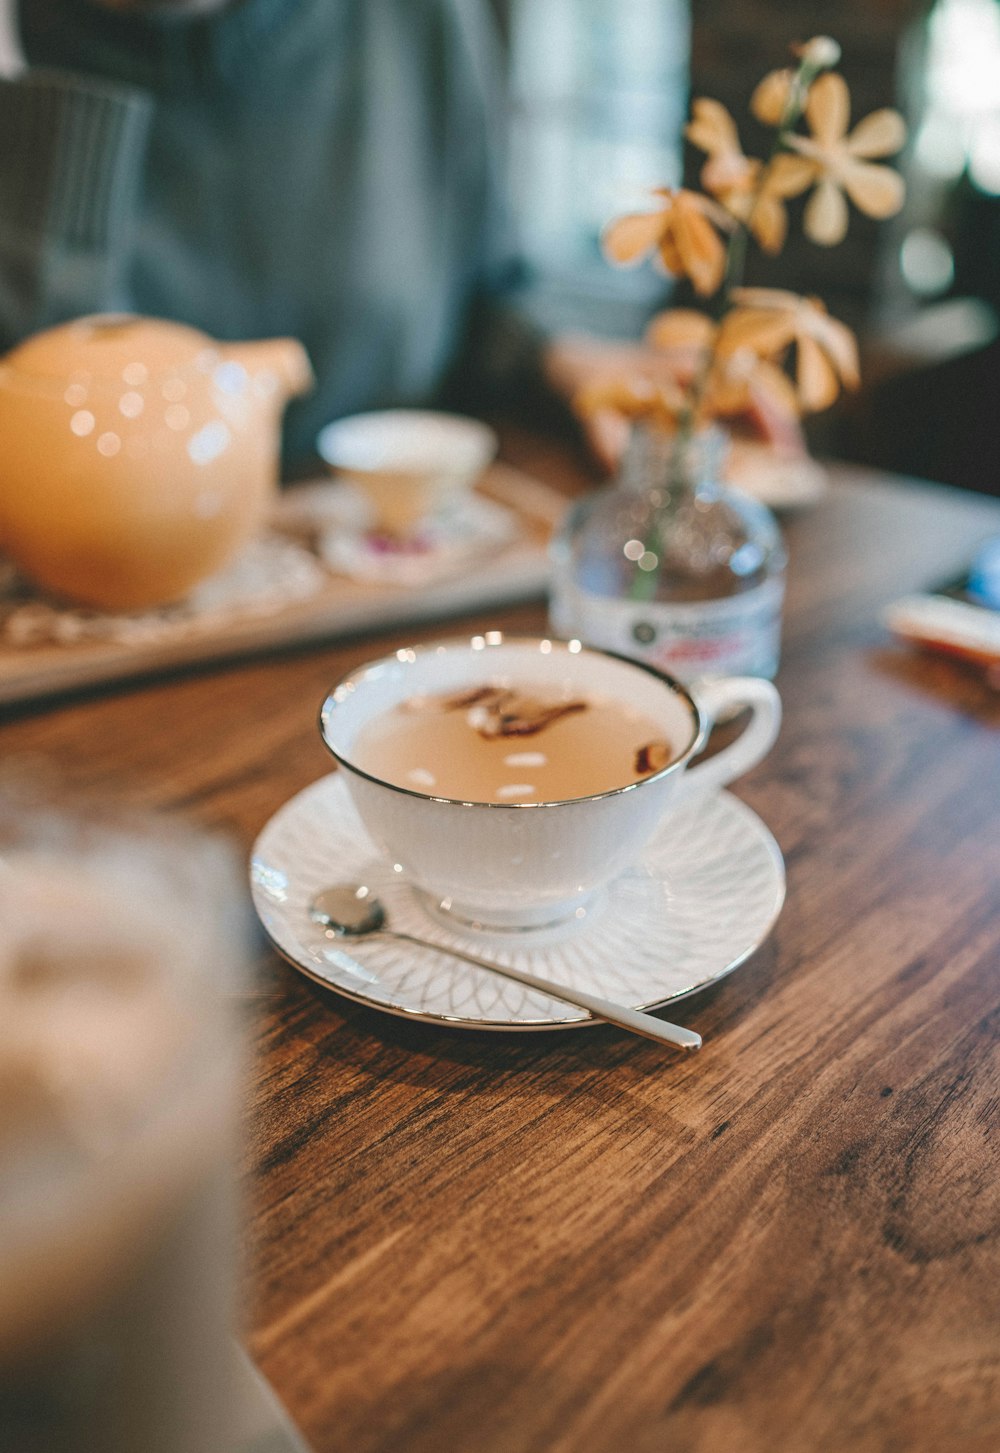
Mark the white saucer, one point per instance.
(705, 895)
(470, 528)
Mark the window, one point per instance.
(599, 94)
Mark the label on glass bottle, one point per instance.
(737, 636)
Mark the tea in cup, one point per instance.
(511, 779)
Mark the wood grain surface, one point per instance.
(581, 1243)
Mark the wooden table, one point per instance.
(580, 1243)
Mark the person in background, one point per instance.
(316, 168)
(324, 169)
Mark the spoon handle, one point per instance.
(632, 1019)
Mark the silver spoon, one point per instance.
(350, 910)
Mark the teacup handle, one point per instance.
(731, 694)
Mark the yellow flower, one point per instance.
(841, 161)
(752, 193)
(769, 320)
(770, 98)
(637, 397)
(742, 384)
(738, 382)
(681, 233)
(713, 131)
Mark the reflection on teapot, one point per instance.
(136, 455)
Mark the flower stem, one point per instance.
(644, 583)
(736, 249)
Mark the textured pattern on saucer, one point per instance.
(704, 896)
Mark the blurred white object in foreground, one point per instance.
(118, 1073)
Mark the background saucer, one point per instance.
(470, 528)
(705, 895)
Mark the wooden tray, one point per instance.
(342, 607)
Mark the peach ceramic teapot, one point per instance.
(137, 455)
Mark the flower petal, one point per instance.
(836, 340)
(755, 391)
(681, 328)
(699, 248)
(825, 219)
(773, 391)
(828, 108)
(629, 397)
(711, 127)
(877, 190)
(628, 239)
(613, 394)
(698, 202)
(737, 202)
(728, 175)
(769, 222)
(668, 259)
(788, 175)
(724, 394)
(770, 97)
(765, 331)
(880, 134)
(814, 376)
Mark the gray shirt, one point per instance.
(324, 169)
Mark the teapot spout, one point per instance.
(281, 360)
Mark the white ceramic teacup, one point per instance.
(408, 463)
(527, 865)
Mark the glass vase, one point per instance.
(671, 565)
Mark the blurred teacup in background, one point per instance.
(409, 464)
